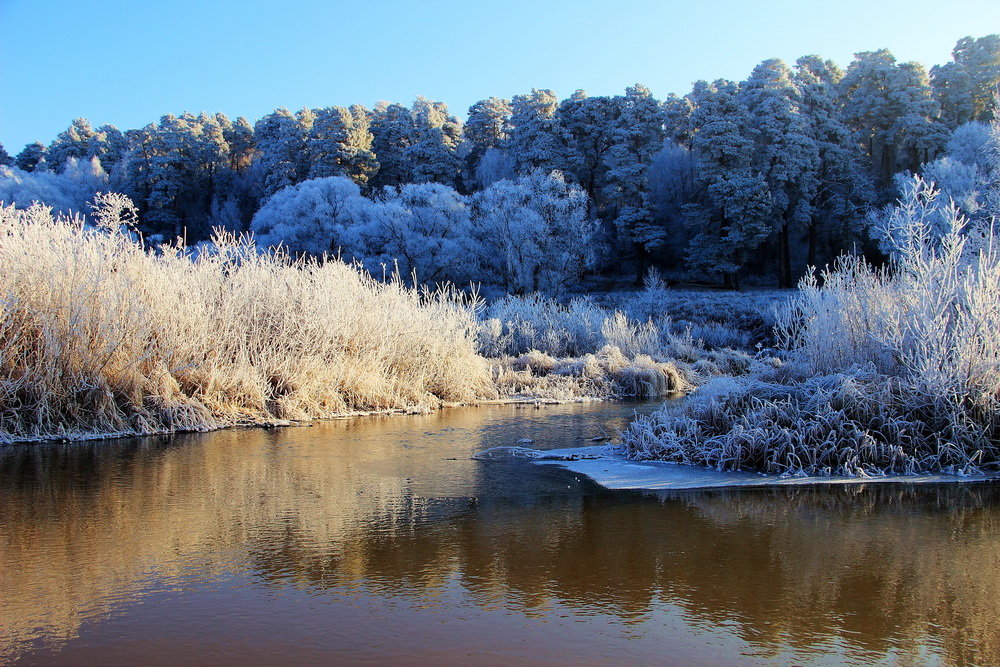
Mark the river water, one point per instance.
(378, 540)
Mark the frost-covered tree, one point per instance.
(486, 128)
(171, 171)
(310, 217)
(392, 134)
(31, 157)
(892, 111)
(108, 144)
(952, 87)
(589, 125)
(731, 218)
(637, 135)
(433, 150)
(843, 184)
(420, 229)
(67, 192)
(957, 181)
(239, 137)
(980, 59)
(785, 155)
(536, 137)
(672, 186)
(234, 183)
(533, 234)
(282, 153)
(677, 113)
(73, 142)
(969, 143)
(964, 175)
(340, 144)
(496, 164)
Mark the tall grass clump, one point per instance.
(892, 370)
(100, 336)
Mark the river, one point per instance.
(379, 540)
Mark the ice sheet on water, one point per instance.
(614, 472)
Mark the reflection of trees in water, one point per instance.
(347, 507)
(878, 567)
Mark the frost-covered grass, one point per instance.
(566, 350)
(605, 373)
(891, 370)
(655, 320)
(99, 336)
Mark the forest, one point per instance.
(735, 182)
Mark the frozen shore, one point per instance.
(616, 472)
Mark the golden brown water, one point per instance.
(378, 540)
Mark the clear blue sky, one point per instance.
(127, 62)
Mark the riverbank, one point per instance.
(102, 337)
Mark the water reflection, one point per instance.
(392, 509)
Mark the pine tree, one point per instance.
(844, 186)
(785, 155)
(590, 126)
(282, 156)
(32, 157)
(108, 144)
(433, 149)
(536, 138)
(953, 91)
(75, 141)
(638, 135)
(392, 134)
(731, 220)
(5, 159)
(486, 128)
(891, 109)
(980, 58)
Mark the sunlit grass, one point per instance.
(99, 335)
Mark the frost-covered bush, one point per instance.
(919, 221)
(67, 192)
(606, 372)
(418, 229)
(515, 324)
(532, 234)
(99, 336)
(956, 181)
(311, 216)
(892, 370)
(969, 144)
(853, 424)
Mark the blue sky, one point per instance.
(129, 62)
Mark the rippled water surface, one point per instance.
(378, 540)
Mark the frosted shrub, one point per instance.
(66, 192)
(516, 324)
(99, 336)
(606, 373)
(853, 424)
(532, 233)
(631, 337)
(901, 366)
(310, 216)
(419, 229)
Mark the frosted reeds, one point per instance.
(99, 336)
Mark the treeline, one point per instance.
(759, 177)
